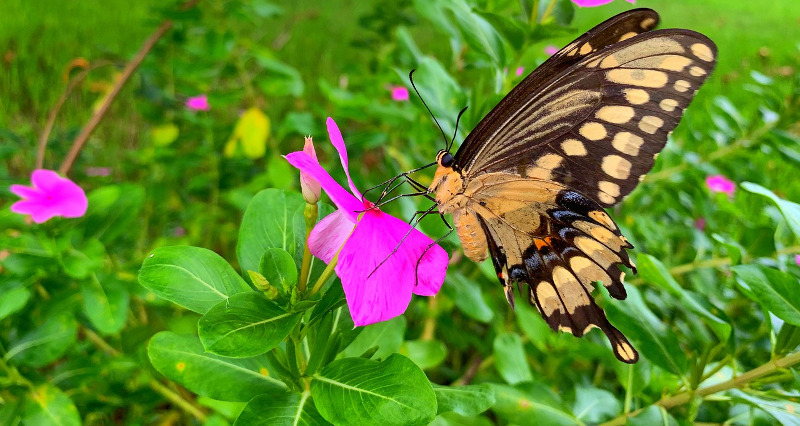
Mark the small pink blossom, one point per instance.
(98, 171)
(719, 183)
(700, 223)
(593, 3)
(399, 93)
(198, 103)
(50, 195)
(550, 50)
(519, 71)
(309, 186)
(363, 237)
(797, 259)
(179, 231)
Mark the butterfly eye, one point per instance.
(446, 160)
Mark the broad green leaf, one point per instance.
(788, 339)
(184, 360)
(281, 409)
(245, 325)
(105, 303)
(113, 209)
(14, 298)
(468, 297)
(652, 415)
(249, 135)
(425, 353)
(452, 419)
(593, 405)
(511, 29)
(467, 400)
(46, 343)
(387, 336)
(790, 210)
(273, 219)
(509, 356)
(192, 277)
(79, 262)
(648, 334)
(478, 33)
(332, 299)
(772, 289)
(651, 270)
(357, 391)
(282, 79)
(164, 134)
(278, 267)
(530, 403)
(48, 405)
(785, 412)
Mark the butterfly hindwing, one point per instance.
(598, 126)
(559, 244)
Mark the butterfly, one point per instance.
(529, 184)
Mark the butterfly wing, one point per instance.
(598, 125)
(560, 244)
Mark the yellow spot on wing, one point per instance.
(697, 71)
(586, 48)
(609, 188)
(702, 51)
(593, 131)
(603, 218)
(573, 148)
(650, 124)
(674, 63)
(682, 85)
(636, 96)
(627, 36)
(616, 166)
(627, 143)
(625, 351)
(605, 197)
(647, 23)
(638, 77)
(609, 62)
(668, 104)
(615, 114)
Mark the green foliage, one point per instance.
(227, 323)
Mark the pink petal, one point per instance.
(51, 195)
(338, 142)
(329, 234)
(719, 183)
(25, 191)
(375, 295)
(399, 93)
(550, 50)
(520, 70)
(591, 3)
(343, 199)
(45, 180)
(198, 103)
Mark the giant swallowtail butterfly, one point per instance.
(530, 182)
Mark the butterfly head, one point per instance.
(444, 159)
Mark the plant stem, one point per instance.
(329, 270)
(130, 68)
(736, 382)
(310, 214)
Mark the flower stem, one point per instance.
(736, 382)
(310, 214)
(329, 270)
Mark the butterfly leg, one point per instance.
(410, 230)
(450, 231)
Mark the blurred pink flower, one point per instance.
(309, 186)
(98, 171)
(50, 195)
(719, 183)
(700, 223)
(399, 93)
(179, 231)
(519, 71)
(364, 237)
(198, 103)
(797, 259)
(550, 50)
(593, 3)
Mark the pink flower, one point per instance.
(700, 223)
(719, 183)
(550, 50)
(309, 186)
(593, 3)
(98, 171)
(198, 103)
(399, 93)
(364, 237)
(519, 71)
(797, 259)
(51, 195)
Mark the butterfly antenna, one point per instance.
(411, 78)
(455, 132)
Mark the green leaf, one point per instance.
(647, 332)
(280, 409)
(273, 219)
(509, 355)
(184, 360)
(478, 33)
(785, 412)
(468, 297)
(79, 262)
(356, 391)
(522, 403)
(282, 78)
(469, 400)
(112, 211)
(425, 353)
(245, 325)
(192, 277)
(595, 405)
(48, 405)
(105, 304)
(652, 415)
(788, 339)
(15, 296)
(46, 343)
(651, 270)
(278, 267)
(387, 336)
(772, 289)
(790, 210)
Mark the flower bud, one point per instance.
(309, 186)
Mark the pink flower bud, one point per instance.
(310, 187)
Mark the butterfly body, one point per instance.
(529, 185)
